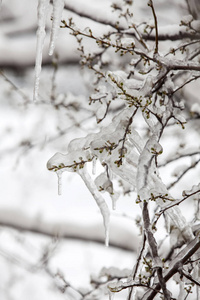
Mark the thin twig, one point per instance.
(182, 174)
(150, 3)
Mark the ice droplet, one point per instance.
(57, 14)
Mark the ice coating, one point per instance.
(60, 163)
(57, 14)
(138, 166)
(195, 189)
(41, 33)
(68, 162)
(147, 178)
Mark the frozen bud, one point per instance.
(196, 25)
(128, 42)
(187, 19)
(195, 109)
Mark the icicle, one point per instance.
(57, 14)
(111, 295)
(99, 200)
(94, 165)
(114, 200)
(59, 174)
(106, 235)
(42, 13)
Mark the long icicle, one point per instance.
(57, 14)
(41, 33)
(99, 200)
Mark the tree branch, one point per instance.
(154, 250)
(150, 3)
(69, 229)
(176, 264)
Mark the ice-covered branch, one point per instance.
(175, 265)
(154, 250)
(170, 32)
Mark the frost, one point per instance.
(57, 14)
(41, 33)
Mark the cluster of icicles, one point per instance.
(43, 8)
(88, 149)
